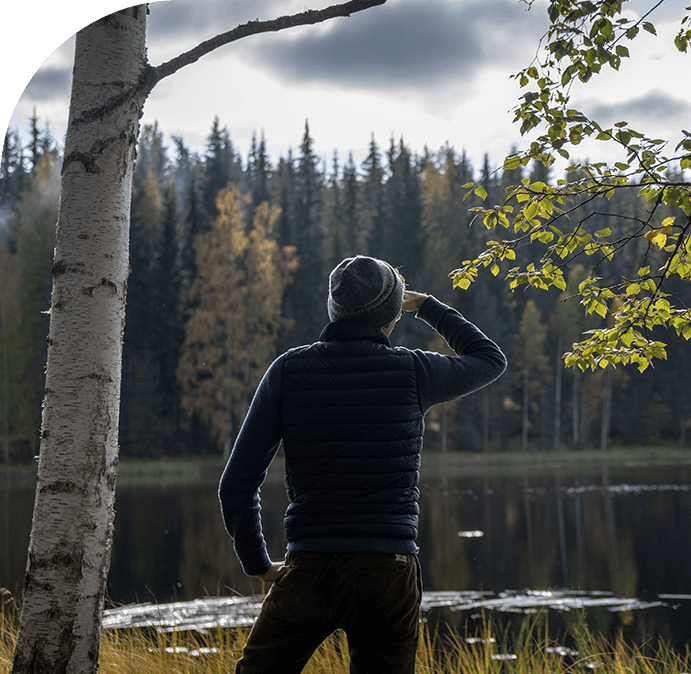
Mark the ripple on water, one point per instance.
(208, 613)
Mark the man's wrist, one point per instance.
(431, 311)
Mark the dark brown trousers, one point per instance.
(373, 597)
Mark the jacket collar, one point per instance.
(345, 330)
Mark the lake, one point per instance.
(510, 542)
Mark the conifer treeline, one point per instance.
(229, 266)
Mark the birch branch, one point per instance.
(311, 16)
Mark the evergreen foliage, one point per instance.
(283, 226)
(25, 324)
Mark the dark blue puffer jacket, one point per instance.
(352, 434)
(349, 410)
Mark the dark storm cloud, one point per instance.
(202, 19)
(655, 106)
(409, 44)
(403, 44)
(49, 84)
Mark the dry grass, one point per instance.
(141, 652)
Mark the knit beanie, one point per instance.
(365, 289)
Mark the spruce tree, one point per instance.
(404, 244)
(333, 217)
(35, 146)
(222, 164)
(531, 366)
(13, 175)
(372, 206)
(353, 237)
(195, 222)
(445, 219)
(168, 311)
(182, 171)
(152, 155)
(139, 423)
(11, 353)
(284, 196)
(33, 230)
(306, 296)
(258, 171)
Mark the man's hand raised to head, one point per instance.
(412, 301)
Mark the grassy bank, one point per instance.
(136, 652)
(207, 470)
(134, 472)
(454, 463)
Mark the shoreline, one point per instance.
(170, 471)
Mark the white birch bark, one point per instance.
(71, 533)
(69, 551)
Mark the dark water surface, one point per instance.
(614, 540)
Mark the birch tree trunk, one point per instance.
(71, 534)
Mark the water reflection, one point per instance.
(623, 531)
(206, 614)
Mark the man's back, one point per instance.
(352, 434)
(349, 413)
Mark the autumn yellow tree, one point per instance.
(236, 316)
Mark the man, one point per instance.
(349, 412)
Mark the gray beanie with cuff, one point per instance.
(365, 289)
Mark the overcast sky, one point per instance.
(430, 71)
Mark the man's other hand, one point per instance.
(276, 570)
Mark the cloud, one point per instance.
(173, 20)
(48, 84)
(201, 19)
(404, 45)
(671, 10)
(654, 106)
(413, 44)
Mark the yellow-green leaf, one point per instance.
(463, 283)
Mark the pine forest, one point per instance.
(230, 258)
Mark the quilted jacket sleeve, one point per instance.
(478, 361)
